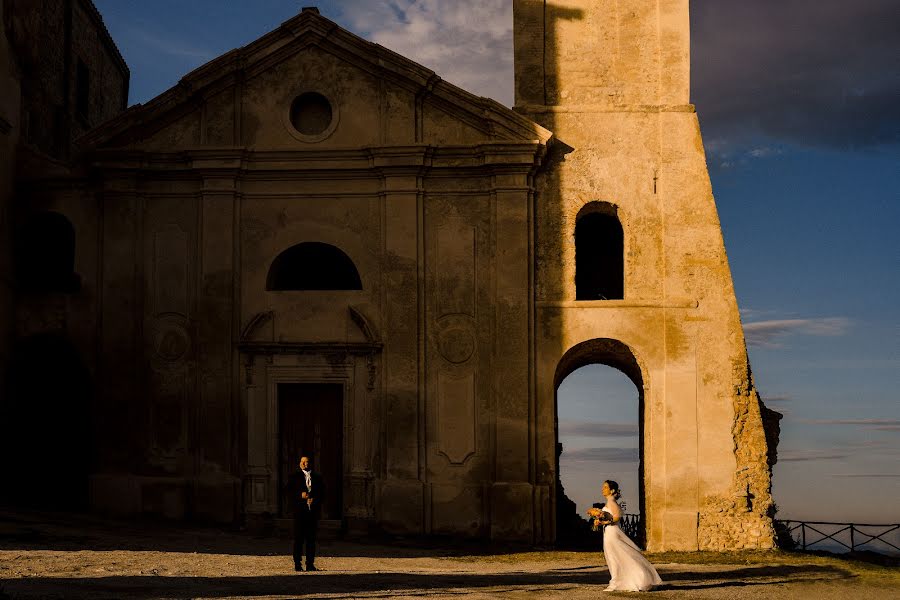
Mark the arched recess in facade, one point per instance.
(45, 254)
(47, 429)
(615, 354)
(313, 266)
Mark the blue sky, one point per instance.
(801, 123)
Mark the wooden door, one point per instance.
(310, 423)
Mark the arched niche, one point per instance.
(313, 266)
(599, 253)
(45, 254)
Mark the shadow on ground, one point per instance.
(146, 587)
(44, 530)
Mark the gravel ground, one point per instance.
(45, 555)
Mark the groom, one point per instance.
(307, 492)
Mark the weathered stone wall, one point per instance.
(37, 33)
(610, 79)
(108, 73)
(742, 518)
(49, 39)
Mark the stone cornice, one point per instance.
(239, 161)
(268, 348)
(526, 109)
(499, 166)
(687, 303)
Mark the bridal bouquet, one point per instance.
(598, 518)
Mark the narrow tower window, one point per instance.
(599, 258)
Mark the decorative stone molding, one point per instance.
(456, 415)
(368, 330)
(364, 324)
(170, 338)
(255, 324)
(288, 116)
(320, 348)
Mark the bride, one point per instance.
(628, 569)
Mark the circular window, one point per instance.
(311, 114)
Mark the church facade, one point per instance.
(314, 245)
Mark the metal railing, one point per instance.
(631, 525)
(860, 534)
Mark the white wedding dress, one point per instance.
(628, 569)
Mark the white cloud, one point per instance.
(469, 44)
(595, 429)
(600, 455)
(764, 151)
(832, 364)
(766, 333)
(868, 475)
(779, 399)
(172, 47)
(877, 424)
(727, 154)
(810, 455)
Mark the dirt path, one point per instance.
(55, 556)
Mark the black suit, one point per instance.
(306, 515)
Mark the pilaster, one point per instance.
(214, 412)
(121, 421)
(402, 492)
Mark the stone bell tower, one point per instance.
(630, 265)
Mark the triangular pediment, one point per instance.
(378, 97)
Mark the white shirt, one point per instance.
(308, 475)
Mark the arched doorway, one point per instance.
(47, 427)
(599, 391)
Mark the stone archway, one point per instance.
(615, 354)
(47, 433)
